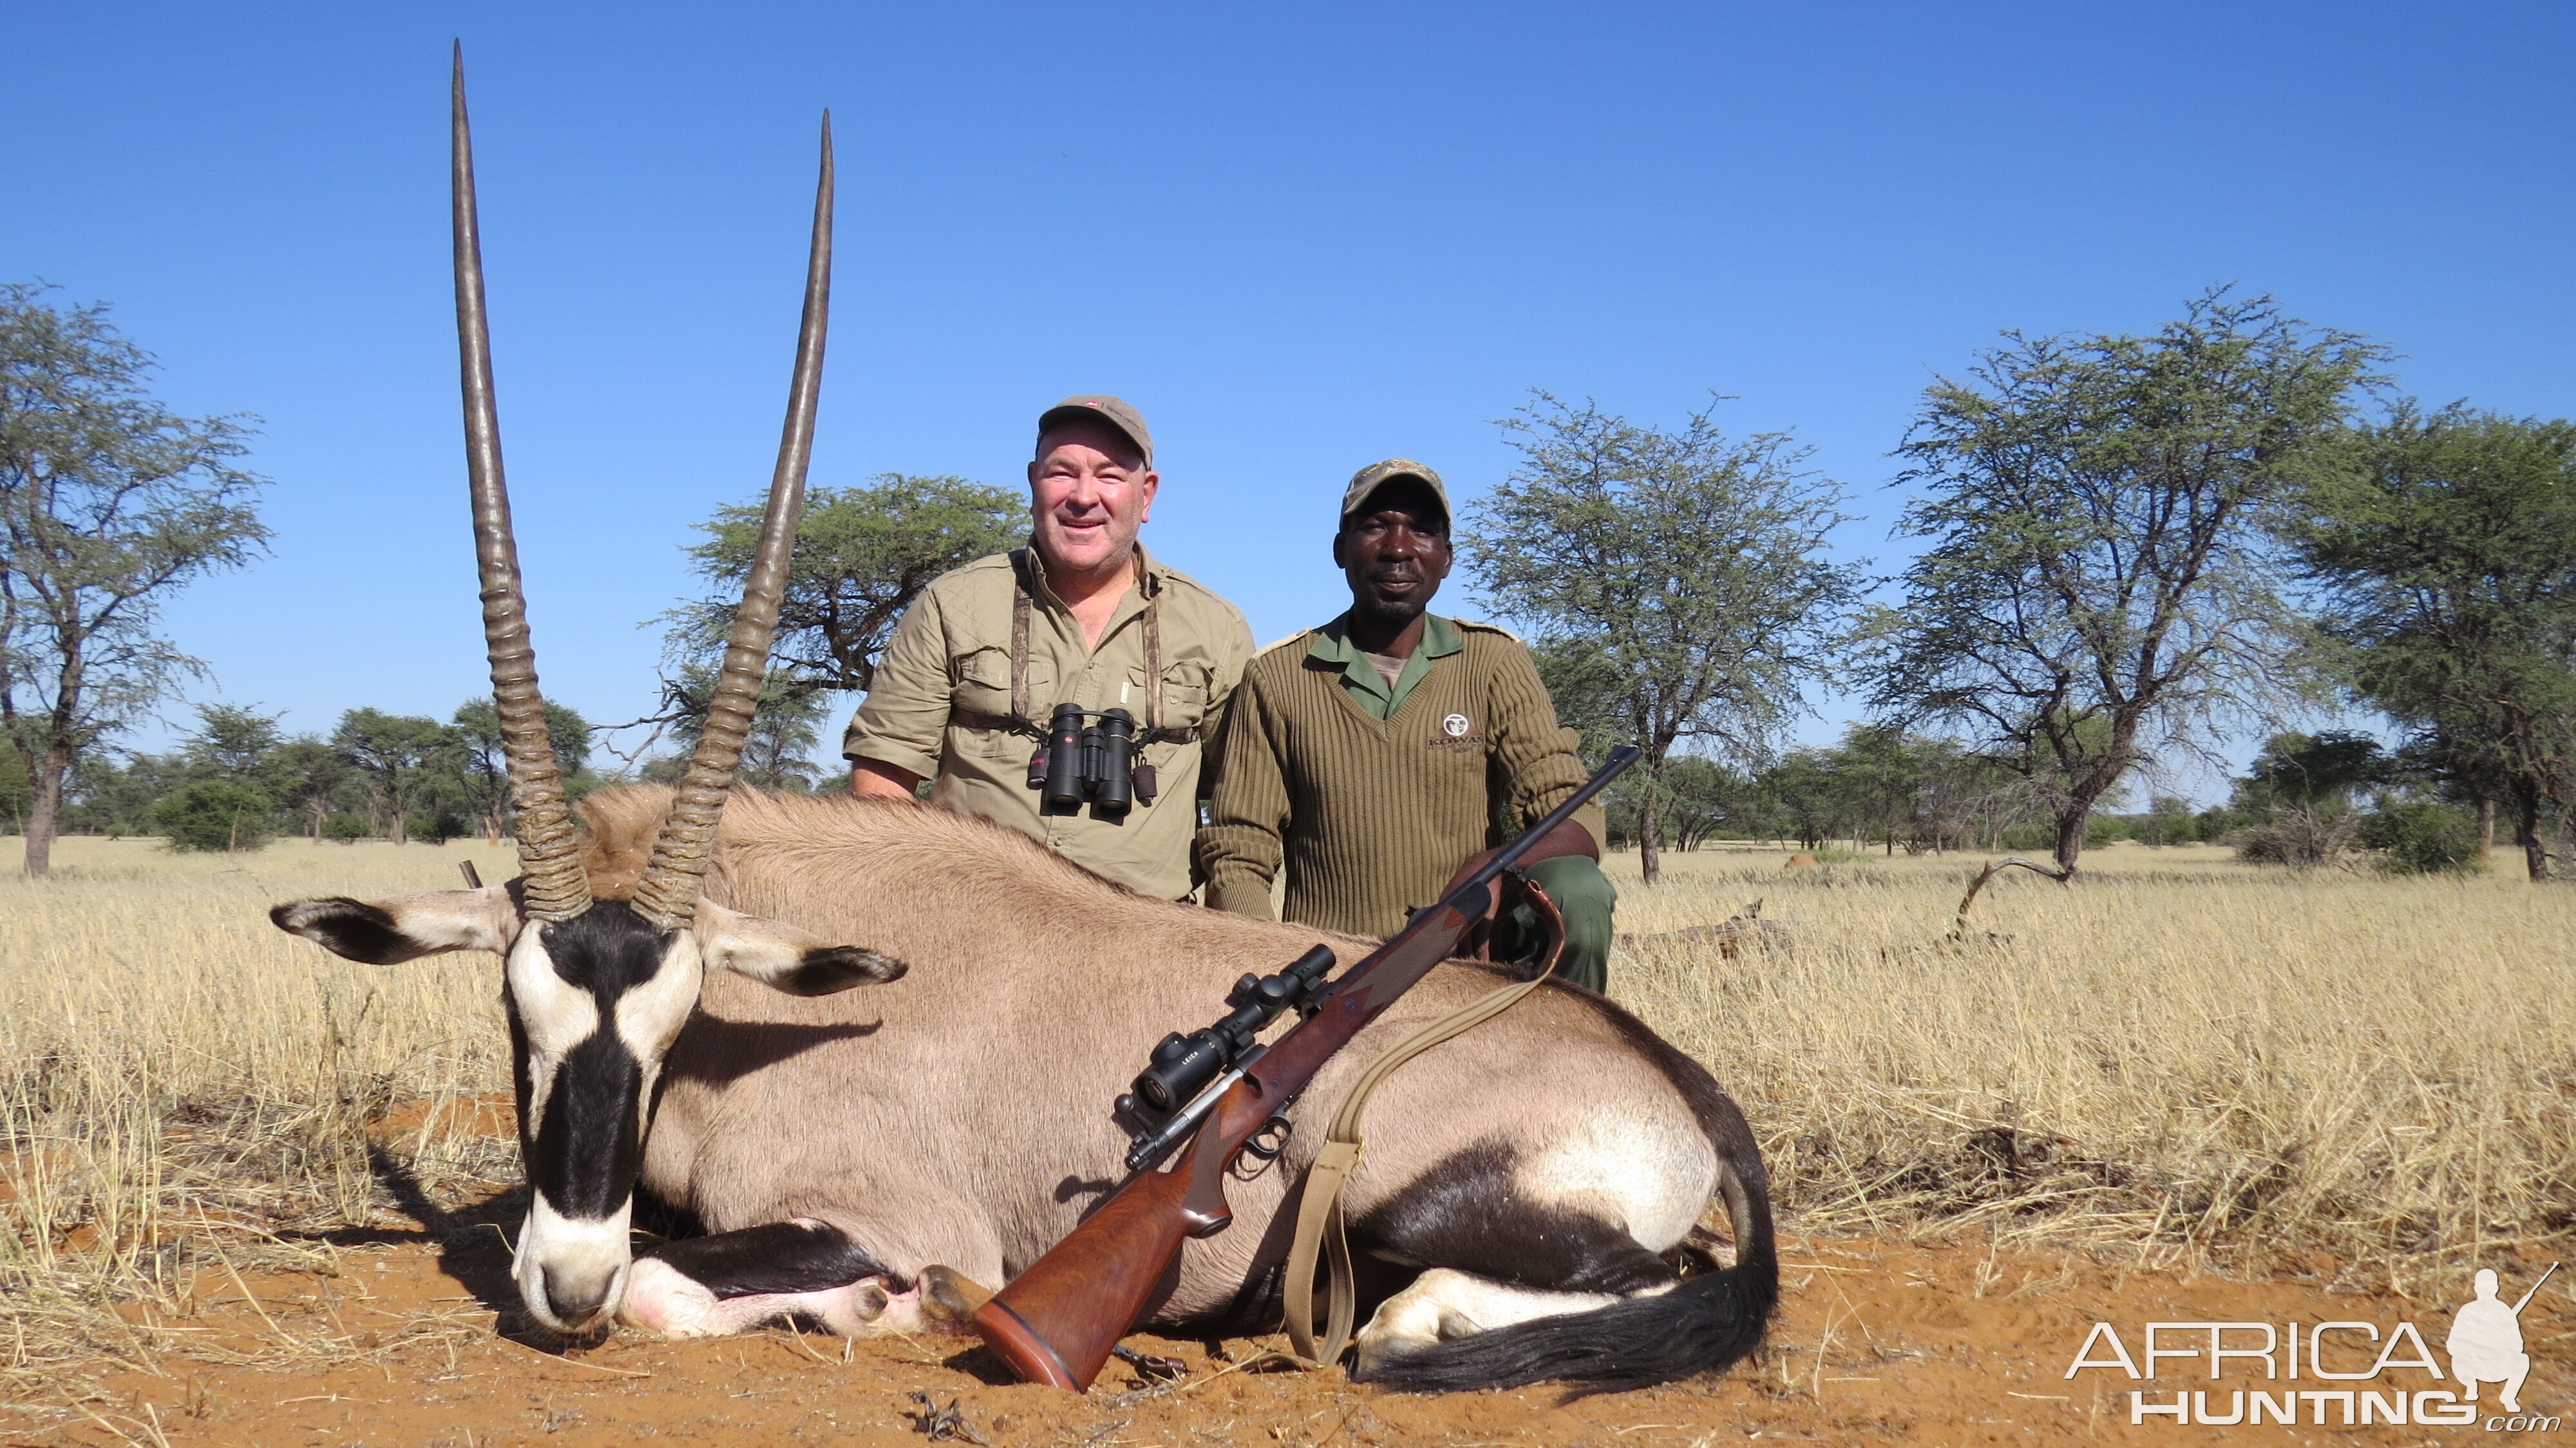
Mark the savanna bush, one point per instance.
(2424, 838)
(212, 816)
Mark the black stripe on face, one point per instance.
(588, 1142)
(588, 1145)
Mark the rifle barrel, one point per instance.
(2535, 1289)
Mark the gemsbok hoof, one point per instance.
(948, 1295)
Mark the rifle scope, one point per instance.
(1183, 1066)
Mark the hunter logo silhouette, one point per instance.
(2486, 1340)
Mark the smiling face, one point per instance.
(1089, 493)
(1394, 551)
(594, 1004)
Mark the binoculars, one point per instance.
(1090, 764)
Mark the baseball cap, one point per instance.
(1111, 410)
(1377, 475)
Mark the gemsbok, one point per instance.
(675, 976)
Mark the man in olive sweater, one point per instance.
(1374, 755)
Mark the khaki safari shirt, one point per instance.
(1372, 797)
(942, 699)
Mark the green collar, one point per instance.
(1332, 645)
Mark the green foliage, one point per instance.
(2168, 821)
(438, 826)
(1685, 567)
(212, 815)
(2098, 574)
(2446, 546)
(346, 829)
(2317, 773)
(1588, 692)
(862, 554)
(482, 783)
(108, 796)
(312, 780)
(1700, 799)
(1880, 787)
(410, 765)
(109, 503)
(2423, 837)
(785, 729)
(2295, 807)
(16, 793)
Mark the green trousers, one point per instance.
(1587, 898)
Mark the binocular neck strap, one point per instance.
(1020, 654)
(1020, 606)
(1153, 665)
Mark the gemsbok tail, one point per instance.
(1705, 1324)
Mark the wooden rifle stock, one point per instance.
(1056, 1322)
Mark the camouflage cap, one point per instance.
(1369, 479)
(1111, 410)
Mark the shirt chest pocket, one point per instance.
(979, 700)
(1185, 694)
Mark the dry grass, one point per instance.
(183, 1088)
(2180, 1056)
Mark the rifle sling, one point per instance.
(1319, 1205)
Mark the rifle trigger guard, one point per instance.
(1266, 1145)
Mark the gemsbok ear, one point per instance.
(786, 957)
(405, 927)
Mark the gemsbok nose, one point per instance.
(577, 1296)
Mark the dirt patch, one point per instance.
(495, 1114)
(1877, 1342)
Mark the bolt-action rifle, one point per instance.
(1057, 1322)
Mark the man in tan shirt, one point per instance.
(974, 673)
(1372, 756)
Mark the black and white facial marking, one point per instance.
(594, 1004)
(598, 1001)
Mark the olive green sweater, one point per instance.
(1372, 815)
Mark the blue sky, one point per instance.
(1300, 239)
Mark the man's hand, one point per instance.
(871, 777)
(1566, 839)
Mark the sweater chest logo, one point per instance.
(1455, 726)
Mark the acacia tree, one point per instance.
(485, 772)
(862, 555)
(234, 743)
(2447, 549)
(2099, 579)
(1688, 566)
(312, 779)
(109, 503)
(407, 761)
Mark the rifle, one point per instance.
(1057, 1322)
(2535, 1289)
